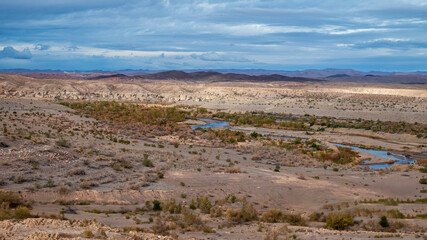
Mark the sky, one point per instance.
(383, 35)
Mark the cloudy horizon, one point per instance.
(278, 35)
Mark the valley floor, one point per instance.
(84, 178)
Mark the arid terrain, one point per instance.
(123, 158)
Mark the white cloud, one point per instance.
(262, 29)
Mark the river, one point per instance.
(398, 158)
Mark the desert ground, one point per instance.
(118, 159)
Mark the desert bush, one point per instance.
(19, 179)
(383, 222)
(147, 163)
(339, 221)
(157, 205)
(254, 135)
(216, 211)
(276, 216)
(171, 206)
(126, 164)
(204, 204)
(294, 219)
(86, 185)
(63, 143)
(394, 213)
(193, 205)
(315, 216)
(274, 234)
(272, 216)
(245, 214)
(50, 183)
(62, 190)
(160, 226)
(124, 141)
(20, 212)
(423, 180)
(208, 230)
(88, 234)
(77, 171)
(116, 167)
(35, 165)
(233, 170)
(10, 199)
(191, 219)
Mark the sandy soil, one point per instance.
(111, 176)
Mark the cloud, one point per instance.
(390, 43)
(10, 52)
(218, 57)
(41, 47)
(263, 29)
(221, 33)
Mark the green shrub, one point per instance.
(394, 213)
(204, 204)
(171, 206)
(157, 205)
(254, 135)
(316, 216)
(148, 163)
(272, 216)
(245, 214)
(294, 219)
(193, 205)
(339, 221)
(63, 143)
(88, 234)
(122, 141)
(126, 164)
(10, 199)
(20, 212)
(383, 222)
(192, 219)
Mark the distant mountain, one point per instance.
(216, 76)
(118, 75)
(329, 74)
(338, 75)
(308, 73)
(394, 78)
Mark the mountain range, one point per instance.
(258, 75)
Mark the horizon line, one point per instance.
(205, 69)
